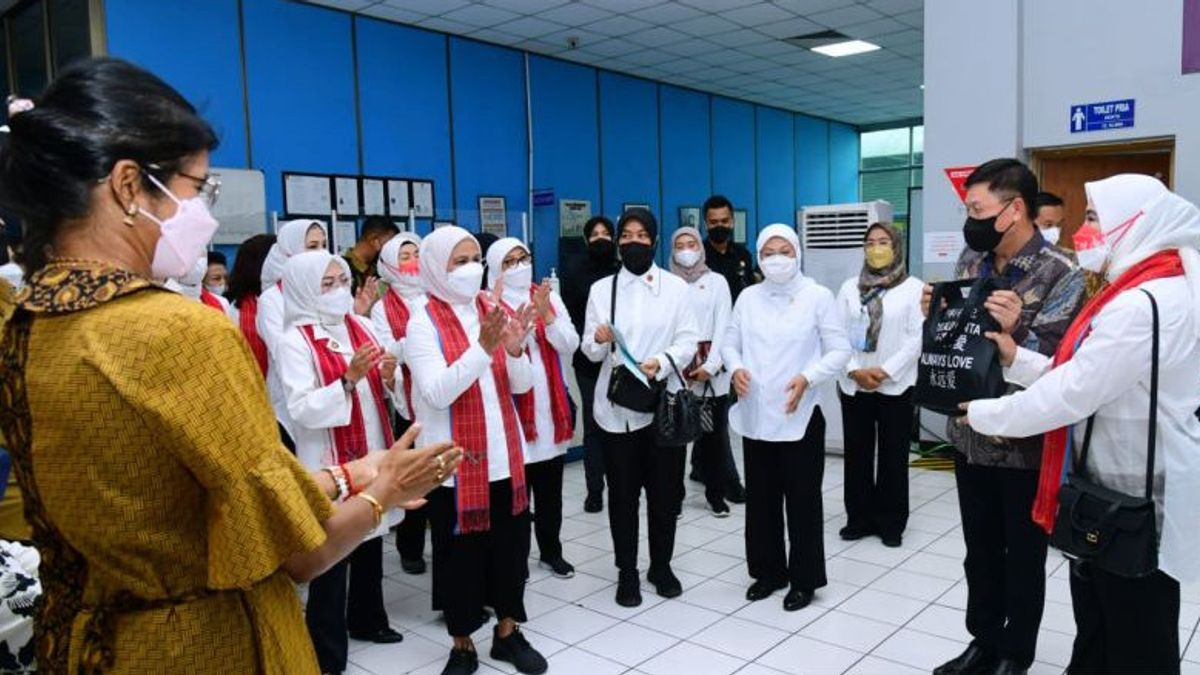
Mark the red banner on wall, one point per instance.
(958, 178)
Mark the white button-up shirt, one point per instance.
(899, 344)
(270, 328)
(656, 319)
(437, 385)
(1109, 376)
(776, 336)
(561, 336)
(711, 302)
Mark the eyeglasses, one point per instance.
(209, 186)
(516, 262)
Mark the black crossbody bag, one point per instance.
(624, 388)
(1116, 532)
(677, 421)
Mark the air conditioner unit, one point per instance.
(831, 242)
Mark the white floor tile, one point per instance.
(411, 654)
(686, 657)
(574, 660)
(834, 593)
(741, 638)
(931, 524)
(912, 585)
(799, 654)
(942, 621)
(853, 571)
(956, 597)
(628, 644)
(934, 565)
(572, 624)
(570, 590)
(719, 596)
(873, 665)
(605, 602)
(918, 650)
(677, 618)
(894, 609)
(706, 563)
(769, 612)
(758, 669)
(1054, 648)
(871, 550)
(849, 631)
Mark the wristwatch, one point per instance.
(347, 385)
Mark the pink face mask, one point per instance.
(183, 237)
(1093, 247)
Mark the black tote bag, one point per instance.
(624, 388)
(958, 364)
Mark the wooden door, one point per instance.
(1063, 172)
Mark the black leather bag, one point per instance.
(958, 364)
(677, 420)
(1116, 532)
(625, 388)
(707, 409)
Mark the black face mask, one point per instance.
(637, 258)
(719, 234)
(601, 250)
(981, 234)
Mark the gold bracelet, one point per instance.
(375, 506)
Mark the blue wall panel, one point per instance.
(300, 74)
(812, 161)
(566, 149)
(196, 52)
(686, 132)
(490, 134)
(629, 143)
(843, 163)
(776, 166)
(733, 156)
(405, 106)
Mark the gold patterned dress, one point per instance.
(161, 500)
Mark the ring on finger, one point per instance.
(441, 462)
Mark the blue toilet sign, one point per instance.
(1102, 116)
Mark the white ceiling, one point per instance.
(730, 47)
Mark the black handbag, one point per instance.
(1116, 532)
(707, 409)
(958, 364)
(625, 388)
(677, 420)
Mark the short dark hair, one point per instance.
(715, 202)
(1046, 199)
(245, 279)
(378, 225)
(95, 113)
(1007, 177)
(217, 258)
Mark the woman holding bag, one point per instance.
(1142, 238)
(787, 319)
(648, 309)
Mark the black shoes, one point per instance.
(695, 476)
(558, 567)
(718, 507)
(383, 636)
(594, 502)
(796, 599)
(760, 590)
(462, 662)
(515, 649)
(974, 660)
(855, 532)
(1007, 667)
(414, 566)
(629, 589)
(665, 582)
(736, 494)
(891, 540)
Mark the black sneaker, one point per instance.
(383, 636)
(760, 590)
(718, 507)
(892, 540)
(736, 493)
(414, 566)
(558, 567)
(855, 532)
(665, 583)
(629, 589)
(594, 503)
(515, 649)
(462, 662)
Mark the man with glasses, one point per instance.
(997, 477)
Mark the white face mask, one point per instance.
(332, 307)
(778, 268)
(466, 281)
(1093, 259)
(519, 278)
(183, 237)
(409, 285)
(1051, 234)
(687, 257)
(216, 289)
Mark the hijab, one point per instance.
(288, 242)
(514, 297)
(302, 285)
(787, 233)
(407, 285)
(436, 249)
(689, 274)
(872, 283)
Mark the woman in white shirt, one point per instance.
(294, 236)
(784, 340)
(708, 295)
(1142, 238)
(468, 361)
(335, 375)
(399, 269)
(656, 324)
(881, 309)
(546, 411)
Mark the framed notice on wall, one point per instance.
(374, 197)
(634, 205)
(422, 198)
(689, 216)
(493, 215)
(307, 194)
(345, 190)
(398, 198)
(573, 214)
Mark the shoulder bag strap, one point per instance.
(1153, 431)
(612, 311)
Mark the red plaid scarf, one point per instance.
(248, 322)
(398, 314)
(560, 408)
(208, 298)
(468, 425)
(1054, 444)
(350, 441)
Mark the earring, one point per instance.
(129, 214)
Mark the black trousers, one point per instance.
(726, 471)
(633, 462)
(333, 610)
(1124, 625)
(876, 484)
(593, 444)
(471, 571)
(410, 533)
(545, 481)
(786, 478)
(1006, 558)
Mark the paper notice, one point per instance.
(943, 247)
